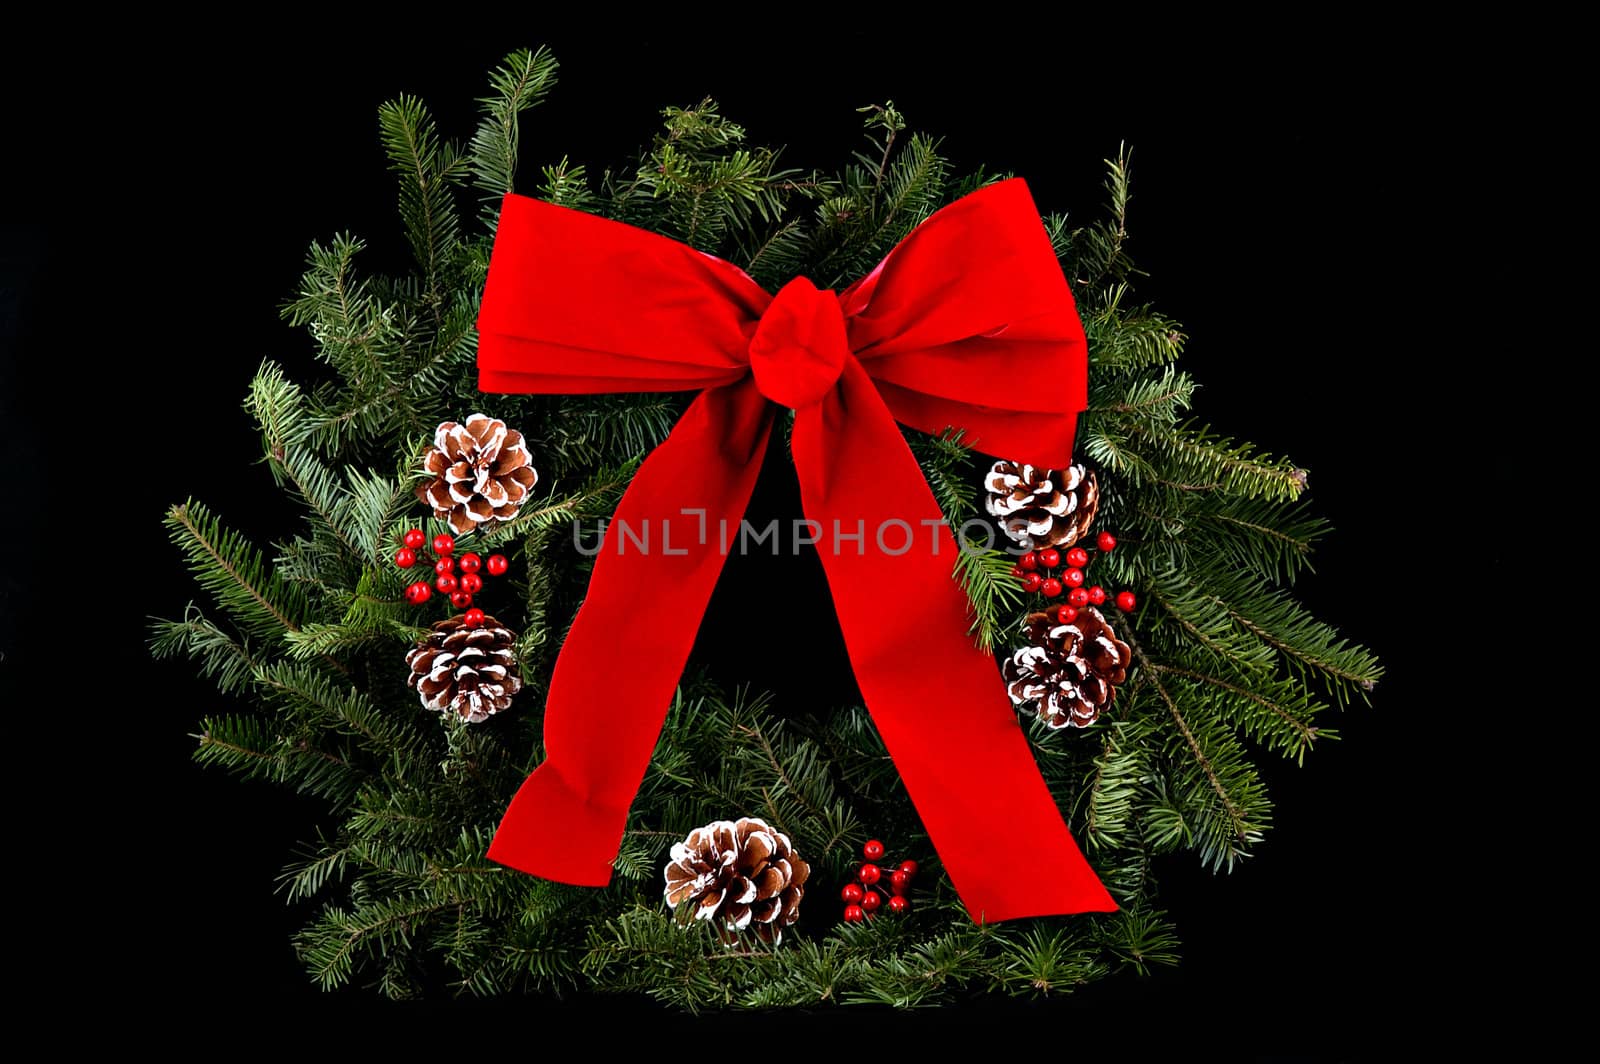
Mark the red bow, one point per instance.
(958, 326)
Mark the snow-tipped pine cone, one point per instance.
(1070, 670)
(480, 473)
(468, 672)
(1040, 507)
(739, 875)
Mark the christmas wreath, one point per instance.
(397, 658)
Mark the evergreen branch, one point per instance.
(567, 185)
(892, 123)
(1139, 938)
(992, 591)
(1239, 828)
(239, 743)
(1113, 789)
(275, 404)
(947, 466)
(1265, 538)
(319, 867)
(1185, 604)
(1303, 733)
(1156, 397)
(324, 640)
(218, 653)
(347, 710)
(753, 731)
(347, 321)
(1234, 466)
(1121, 343)
(1111, 452)
(1280, 623)
(328, 947)
(375, 504)
(913, 185)
(1046, 961)
(369, 821)
(752, 263)
(518, 84)
(1117, 185)
(232, 570)
(426, 168)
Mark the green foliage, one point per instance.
(310, 632)
(515, 86)
(985, 575)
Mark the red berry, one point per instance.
(405, 557)
(872, 901)
(1106, 541)
(1067, 614)
(1077, 557)
(471, 583)
(899, 882)
(415, 539)
(460, 599)
(873, 850)
(1051, 587)
(1073, 577)
(444, 565)
(443, 544)
(470, 563)
(854, 914)
(852, 893)
(1049, 557)
(1031, 582)
(474, 618)
(1078, 597)
(1097, 595)
(1029, 561)
(418, 593)
(1126, 602)
(1016, 571)
(497, 564)
(870, 873)
(445, 582)
(909, 868)
(898, 905)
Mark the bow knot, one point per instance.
(936, 336)
(800, 345)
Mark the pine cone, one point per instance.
(481, 473)
(1071, 670)
(738, 875)
(471, 672)
(1041, 507)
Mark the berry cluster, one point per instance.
(460, 578)
(865, 898)
(1029, 566)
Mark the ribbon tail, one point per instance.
(623, 657)
(937, 700)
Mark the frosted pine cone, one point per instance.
(738, 875)
(1040, 507)
(1071, 670)
(480, 473)
(468, 672)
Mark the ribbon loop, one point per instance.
(800, 345)
(970, 301)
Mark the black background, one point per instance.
(1305, 207)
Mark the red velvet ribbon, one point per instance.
(969, 323)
